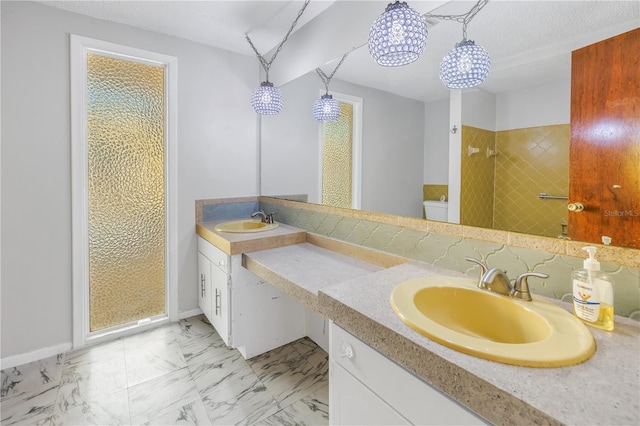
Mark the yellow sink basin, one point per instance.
(454, 312)
(245, 225)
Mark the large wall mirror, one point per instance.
(511, 136)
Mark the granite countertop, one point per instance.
(302, 270)
(604, 390)
(355, 295)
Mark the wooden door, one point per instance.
(604, 171)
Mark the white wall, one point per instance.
(290, 142)
(436, 148)
(543, 105)
(216, 158)
(392, 146)
(392, 150)
(479, 109)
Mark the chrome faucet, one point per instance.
(497, 281)
(261, 214)
(266, 218)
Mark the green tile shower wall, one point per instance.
(434, 192)
(449, 251)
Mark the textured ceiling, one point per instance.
(529, 41)
(220, 24)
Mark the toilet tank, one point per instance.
(436, 210)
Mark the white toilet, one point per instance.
(436, 210)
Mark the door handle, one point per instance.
(217, 301)
(202, 286)
(575, 207)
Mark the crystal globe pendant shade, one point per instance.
(326, 109)
(398, 36)
(267, 99)
(467, 65)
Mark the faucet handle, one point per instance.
(270, 218)
(521, 287)
(483, 267)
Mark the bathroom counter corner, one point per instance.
(302, 270)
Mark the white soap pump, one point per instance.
(593, 293)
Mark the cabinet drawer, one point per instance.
(352, 403)
(412, 397)
(215, 255)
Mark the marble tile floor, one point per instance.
(179, 374)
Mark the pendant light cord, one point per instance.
(464, 18)
(267, 64)
(327, 79)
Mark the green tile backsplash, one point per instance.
(449, 251)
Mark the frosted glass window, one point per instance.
(126, 191)
(337, 159)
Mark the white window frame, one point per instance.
(79, 48)
(356, 166)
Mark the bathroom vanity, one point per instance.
(350, 286)
(247, 313)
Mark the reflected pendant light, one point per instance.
(467, 65)
(398, 36)
(326, 109)
(267, 99)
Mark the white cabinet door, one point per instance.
(263, 318)
(205, 299)
(214, 266)
(352, 403)
(220, 306)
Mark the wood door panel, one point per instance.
(604, 171)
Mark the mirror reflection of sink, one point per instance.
(454, 312)
(245, 226)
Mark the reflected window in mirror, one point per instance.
(340, 142)
(337, 159)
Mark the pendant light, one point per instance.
(326, 108)
(398, 36)
(267, 99)
(468, 64)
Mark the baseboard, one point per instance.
(189, 314)
(15, 360)
(37, 355)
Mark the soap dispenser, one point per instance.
(593, 293)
